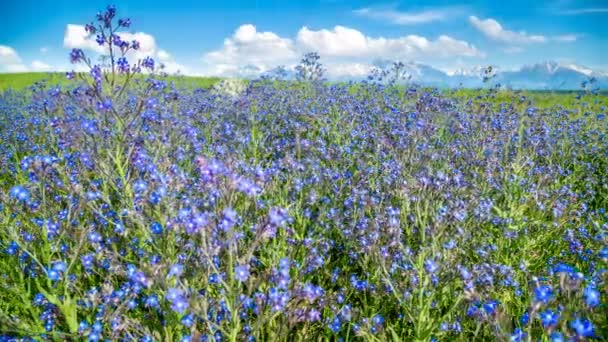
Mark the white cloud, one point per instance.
(493, 30)
(76, 37)
(344, 50)
(348, 70)
(44, 50)
(341, 41)
(163, 55)
(402, 18)
(10, 60)
(347, 42)
(8, 55)
(247, 46)
(40, 66)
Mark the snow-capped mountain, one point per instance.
(544, 75)
(550, 75)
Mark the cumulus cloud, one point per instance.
(348, 70)
(347, 42)
(342, 48)
(8, 55)
(402, 18)
(10, 60)
(494, 30)
(163, 55)
(248, 46)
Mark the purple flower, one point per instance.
(76, 55)
(313, 315)
(90, 28)
(241, 273)
(148, 63)
(430, 266)
(179, 303)
(176, 270)
(116, 40)
(96, 74)
(123, 65)
(126, 22)
(100, 39)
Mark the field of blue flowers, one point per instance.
(131, 209)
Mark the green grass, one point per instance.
(19, 81)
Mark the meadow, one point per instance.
(148, 209)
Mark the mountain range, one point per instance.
(544, 75)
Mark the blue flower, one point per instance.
(378, 320)
(603, 253)
(491, 306)
(54, 275)
(19, 193)
(335, 325)
(583, 327)
(60, 266)
(12, 248)
(176, 270)
(556, 336)
(592, 296)
(156, 228)
(543, 294)
(518, 335)
(188, 320)
(549, 318)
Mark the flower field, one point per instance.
(132, 208)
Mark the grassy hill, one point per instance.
(19, 81)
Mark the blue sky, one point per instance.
(233, 37)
